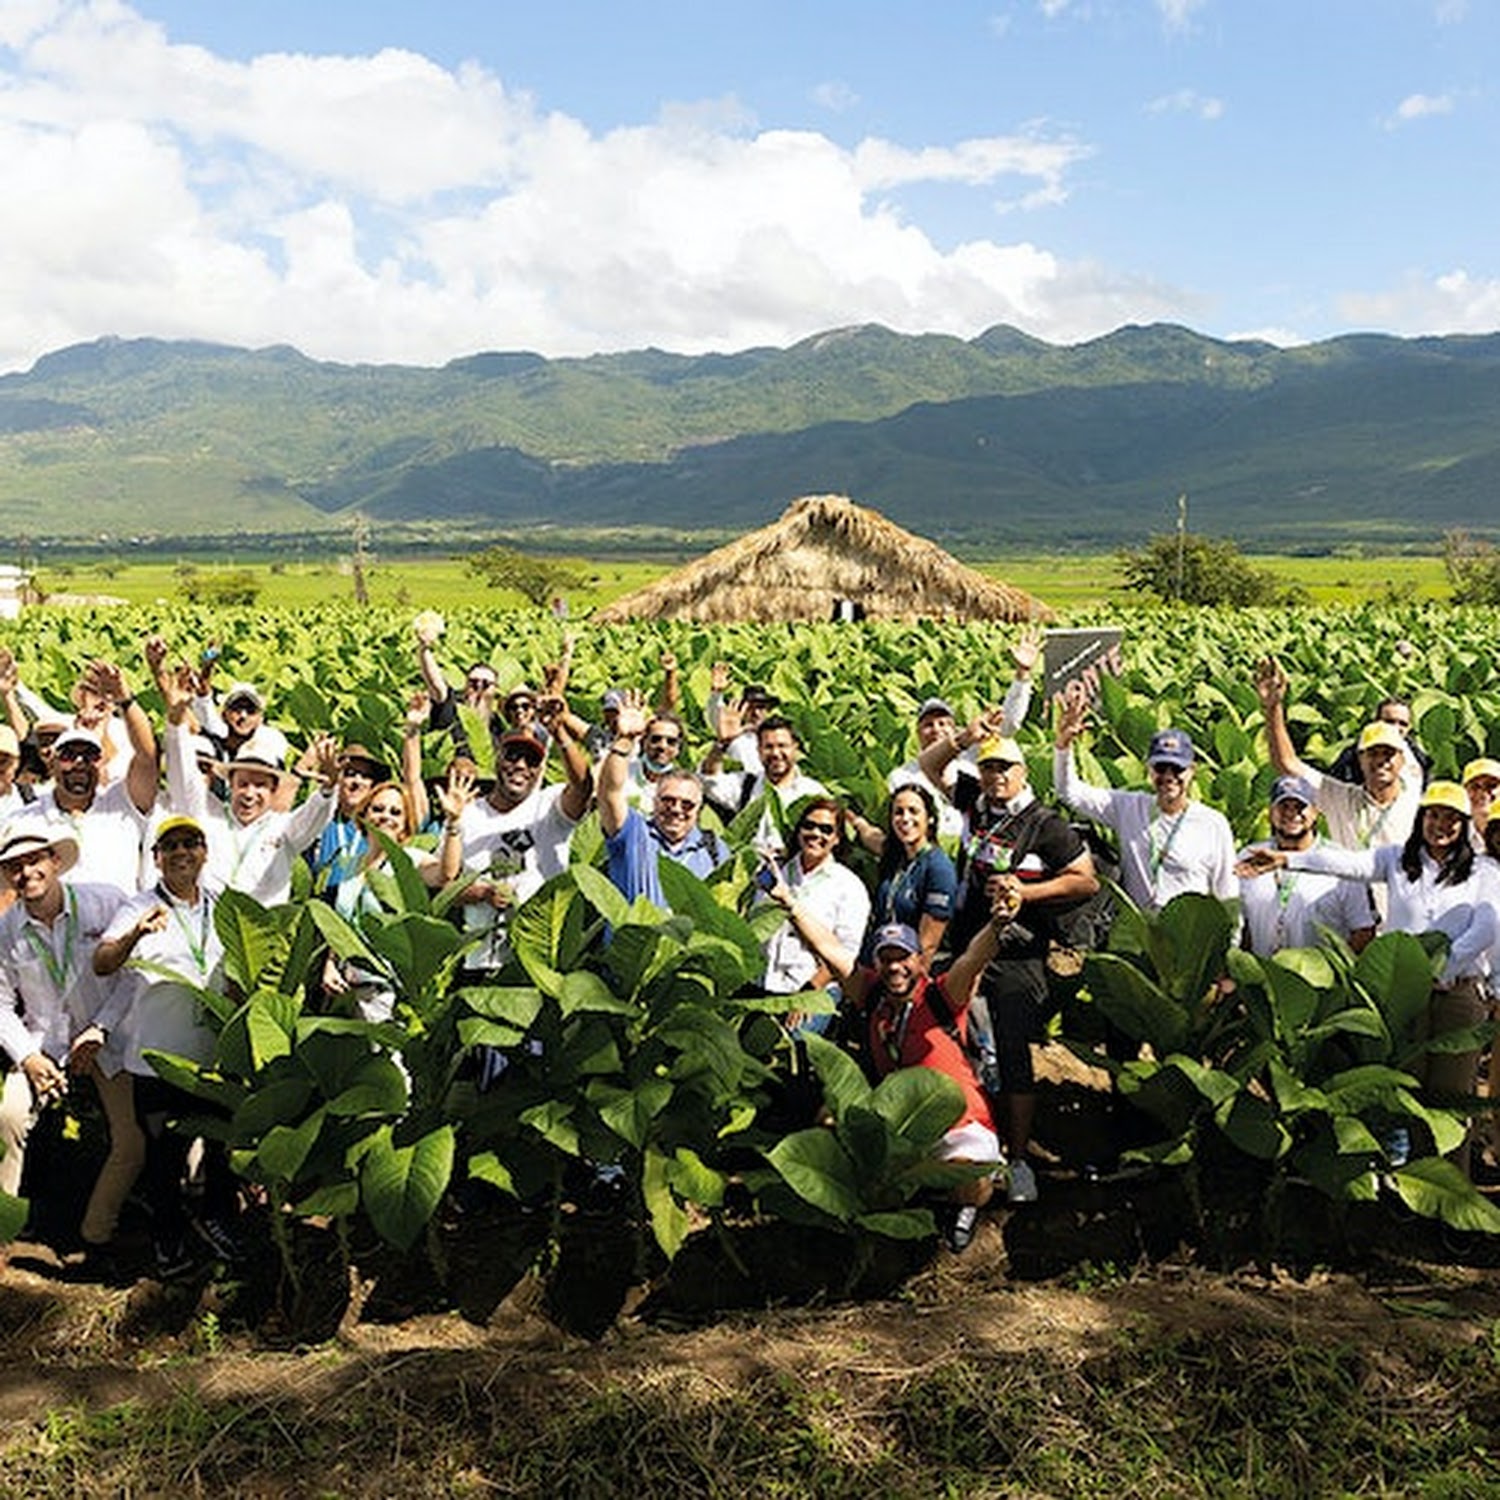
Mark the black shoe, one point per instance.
(220, 1238)
(959, 1231)
(174, 1259)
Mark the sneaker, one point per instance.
(959, 1233)
(174, 1259)
(1022, 1187)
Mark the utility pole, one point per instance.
(1181, 541)
(361, 537)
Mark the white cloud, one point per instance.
(835, 96)
(1450, 12)
(1454, 302)
(1187, 102)
(1420, 107)
(1177, 13)
(385, 208)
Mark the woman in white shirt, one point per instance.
(1434, 883)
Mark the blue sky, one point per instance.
(405, 182)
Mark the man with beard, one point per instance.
(731, 792)
(913, 1019)
(109, 823)
(517, 837)
(1287, 908)
(56, 1015)
(1024, 860)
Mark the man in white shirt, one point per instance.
(517, 837)
(56, 1015)
(252, 845)
(732, 791)
(1169, 844)
(109, 823)
(1287, 908)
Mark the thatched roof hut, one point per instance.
(826, 550)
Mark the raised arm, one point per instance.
(456, 793)
(1270, 688)
(418, 706)
(579, 791)
(427, 662)
(10, 681)
(106, 679)
(1017, 703)
(1072, 715)
(614, 769)
(671, 685)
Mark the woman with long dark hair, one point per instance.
(915, 882)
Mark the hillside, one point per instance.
(1001, 438)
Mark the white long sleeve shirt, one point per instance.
(1464, 912)
(1161, 855)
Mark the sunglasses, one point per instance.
(828, 830)
(515, 752)
(85, 753)
(663, 739)
(687, 804)
(181, 841)
(483, 682)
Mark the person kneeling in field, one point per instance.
(915, 1019)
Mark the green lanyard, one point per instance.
(58, 971)
(1159, 856)
(199, 950)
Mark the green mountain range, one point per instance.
(999, 439)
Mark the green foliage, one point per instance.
(1473, 569)
(1301, 1064)
(862, 1175)
(1193, 569)
(536, 579)
(219, 588)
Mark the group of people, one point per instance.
(114, 856)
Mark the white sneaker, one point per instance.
(1022, 1187)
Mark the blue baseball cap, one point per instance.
(1293, 789)
(1170, 747)
(896, 935)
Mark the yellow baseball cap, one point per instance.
(1447, 794)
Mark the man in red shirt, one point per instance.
(917, 1020)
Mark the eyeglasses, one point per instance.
(828, 830)
(483, 682)
(86, 753)
(687, 804)
(181, 841)
(241, 706)
(516, 753)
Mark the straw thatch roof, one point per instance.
(825, 549)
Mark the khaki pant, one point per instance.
(127, 1147)
(1449, 1073)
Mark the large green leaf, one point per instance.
(416, 947)
(817, 1168)
(255, 942)
(919, 1104)
(669, 1219)
(1396, 972)
(284, 1148)
(1135, 1003)
(13, 1214)
(843, 1082)
(401, 1186)
(629, 1112)
(1436, 1189)
(378, 1087)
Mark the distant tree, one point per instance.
(536, 579)
(1473, 568)
(1198, 569)
(235, 586)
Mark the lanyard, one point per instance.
(891, 1029)
(1158, 857)
(199, 950)
(1379, 823)
(58, 971)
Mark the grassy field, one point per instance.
(1062, 579)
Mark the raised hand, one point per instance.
(1270, 683)
(630, 722)
(1072, 714)
(1026, 651)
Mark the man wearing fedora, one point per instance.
(252, 843)
(56, 1015)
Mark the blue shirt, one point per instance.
(633, 850)
(926, 887)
